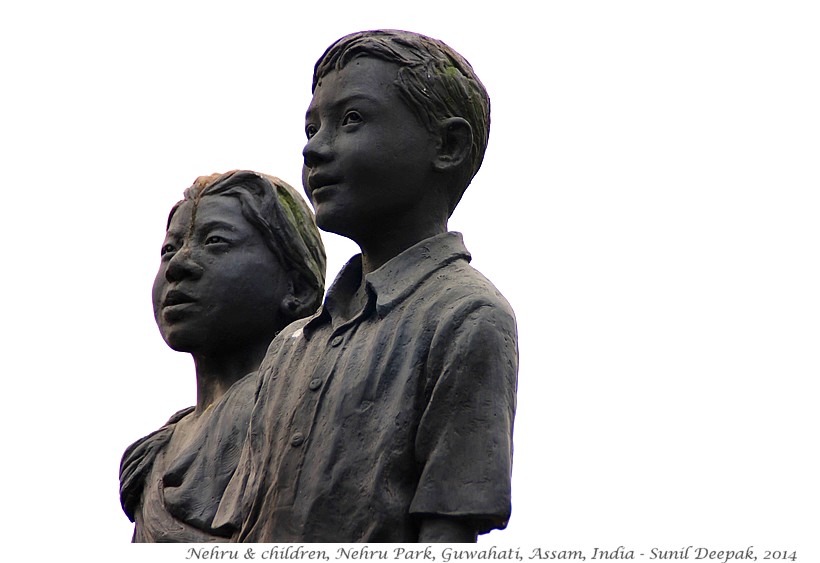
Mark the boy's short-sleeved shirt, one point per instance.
(361, 428)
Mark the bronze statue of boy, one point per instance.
(387, 416)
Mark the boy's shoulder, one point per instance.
(458, 285)
(437, 269)
(467, 306)
(453, 302)
(462, 280)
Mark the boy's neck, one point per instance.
(376, 252)
(387, 244)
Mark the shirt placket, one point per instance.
(303, 421)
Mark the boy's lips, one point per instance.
(317, 182)
(319, 192)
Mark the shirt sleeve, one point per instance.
(464, 440)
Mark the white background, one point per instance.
(649, 204)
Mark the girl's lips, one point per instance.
(171, 313)
(176, 297)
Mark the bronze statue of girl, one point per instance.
(242, 258)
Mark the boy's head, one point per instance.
(435, 83)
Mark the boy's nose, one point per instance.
(317, 150)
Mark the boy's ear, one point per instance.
(455, 143)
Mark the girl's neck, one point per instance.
(216, 374)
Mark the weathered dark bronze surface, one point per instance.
(387, 416)
(241, 259)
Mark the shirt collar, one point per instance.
(396, 279)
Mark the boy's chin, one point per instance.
(335, 221)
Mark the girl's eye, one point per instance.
(166, 249)
(352, 118)
(213, 239)
(310, 131)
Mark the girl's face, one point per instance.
(219, 286)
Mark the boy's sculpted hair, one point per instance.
(280, 215)
(435, 82)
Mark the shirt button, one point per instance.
(297, 440)
(315, 384)
(336, 341)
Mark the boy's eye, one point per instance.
(352, 118)
(166, 249)
(311, 130)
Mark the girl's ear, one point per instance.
(455, 143)
(299, 301)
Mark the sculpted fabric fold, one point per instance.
(178, 497)
(362, 427)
